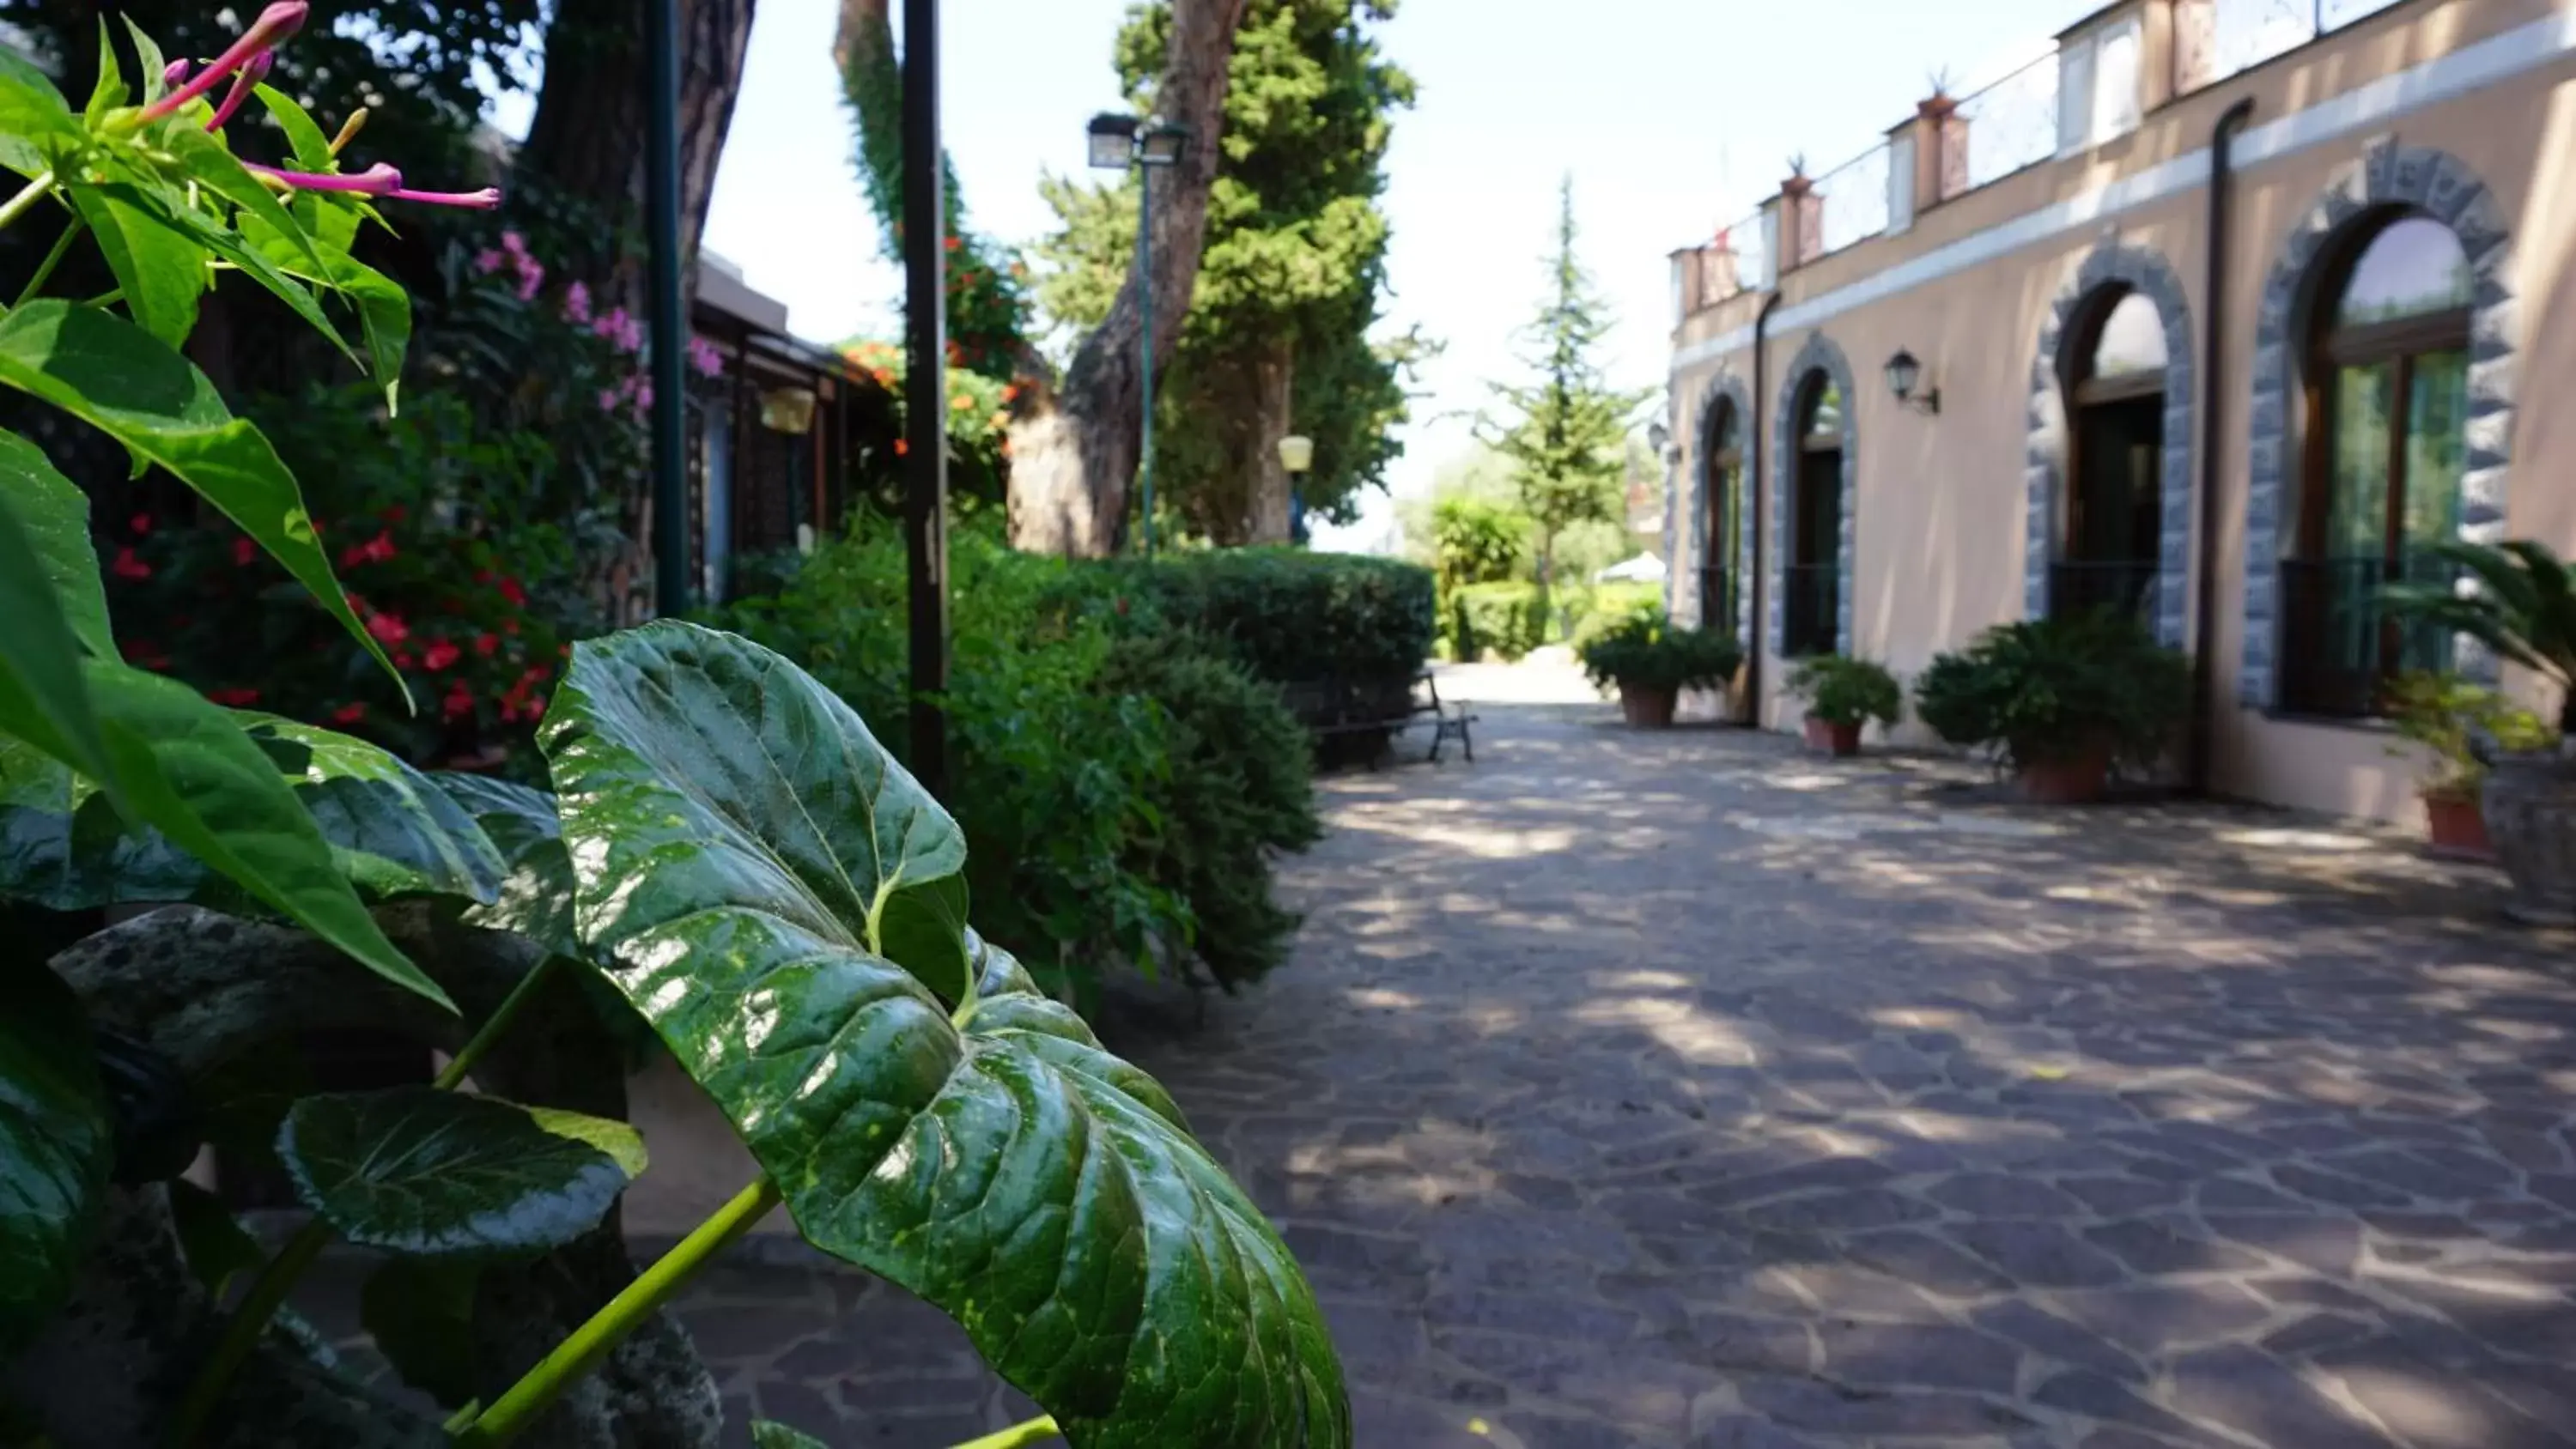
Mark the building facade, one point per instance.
(2208, 312)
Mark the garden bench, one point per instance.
(1339, 706)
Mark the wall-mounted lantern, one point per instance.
(1905, 377)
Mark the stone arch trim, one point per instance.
(2387, 175)
(1725, 390)
(1818, 354)
(2146, 272)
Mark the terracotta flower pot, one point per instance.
(2075, 779)
(2457, 825)
(1647, 707)
(1828, 737)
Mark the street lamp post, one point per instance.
(1118, 142)
(1296, 455)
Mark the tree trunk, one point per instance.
(587, 138)
(1274, 380)
(1074, 449)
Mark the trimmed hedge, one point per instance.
(1288, 615)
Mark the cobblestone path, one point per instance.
(1668, 1090)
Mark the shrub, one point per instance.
(1503, 619)
(2046, 690)
(1848, 691)
(1646, 651)
(2444, 714)
(1287, 615)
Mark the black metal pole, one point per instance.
(925, 388)
(670, 326)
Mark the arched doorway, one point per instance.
(1722, 488)
(2111, 518)
(1811, 585)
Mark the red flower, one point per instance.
(536, 708)
(142, 523)
(388, 628)
(233, 698)
(402, 659)
(482, 576)
(510, 627)
(458, 703)
(440, 654)
(243, 552)
(127, 566)
(485, 643)
(537, 674)
(396, 514)
(352, 556)
(511, 591)
(349, 714)
(380, 549)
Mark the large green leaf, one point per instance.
(429, 1173)
(161, 269)
(1042, 1192)
(535, 898)
(395, 832)
(420, 1311)
(115, 376)
(41, 649)
(218, 1248)
(185, 768)
(33, 116)
(56, 1146)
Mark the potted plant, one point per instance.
(2524, 610)
(2059, 701)
(2445, 715)
(1842, 696)
(1651, 662)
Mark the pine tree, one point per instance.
(1565, 435)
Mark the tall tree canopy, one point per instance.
(1564, 433)
(1291, 279)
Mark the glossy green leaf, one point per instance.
(1042, 1192)
(56, 1147)
(109, 91)
(41, 649)
(147, 55)
(535, 898)
(113, 375)
(218, 1248)
(770, 1434)
(64, 847)
(33, 116)
(185, 768)
(161, 270)
(258, 247)
(428, 1173)
(55, 514)
(304, 138)
(395, 832)
(421, 1313)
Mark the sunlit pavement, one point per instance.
(1675, 1089)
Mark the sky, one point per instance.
(1672, 116)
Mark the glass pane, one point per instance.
(2357, 505)
(1825, 412)
(1723, 540)
(2437, 414)
(2412, 267)
(2133, 340)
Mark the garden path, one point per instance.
(1676, 1089)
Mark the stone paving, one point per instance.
(1679, 1090)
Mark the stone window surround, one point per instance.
(1818, 354)
(2111, 264)
(1723, 391)
(2388, 178)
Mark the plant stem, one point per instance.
(495, 1024)
(28, 195)
(1034, 1431)
(53, 258)
(241, 1333)
(277, 1277)
(529, 1398)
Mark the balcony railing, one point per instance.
(1811, 609)
(2079, 587)
(1854, 198)
(2012, 122)
(2339, 648)
(2246, 33)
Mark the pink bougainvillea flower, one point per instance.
(349, 714)
(127, 566)
(643, 397)
(576, 302)
(483, 200)
(274, 24)
(377, 180)
(513, 243)
(609, 398)
(244, 80)
(706, 357)
(487, 261)
(440, 654)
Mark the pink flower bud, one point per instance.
(274, 24)
(248, 77)
(175, 72)
(377, 180)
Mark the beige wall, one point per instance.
(1940, 501)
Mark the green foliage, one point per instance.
(1507, 620)
(1646, 651)
(1848, 691)
(1475, 542)
(751, 895)
(2047, 690)
(1290, 616)
(1565, 433)
(55, 1147)
(2445, 715)
(2524, 609)
(1292, 270)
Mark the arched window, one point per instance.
(2387, 420)
(1724, 490)
(2110, 520)
(1811, 591)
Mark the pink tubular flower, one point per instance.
(274, 24)
(483, 200)
(377, 180)
(243, 81)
